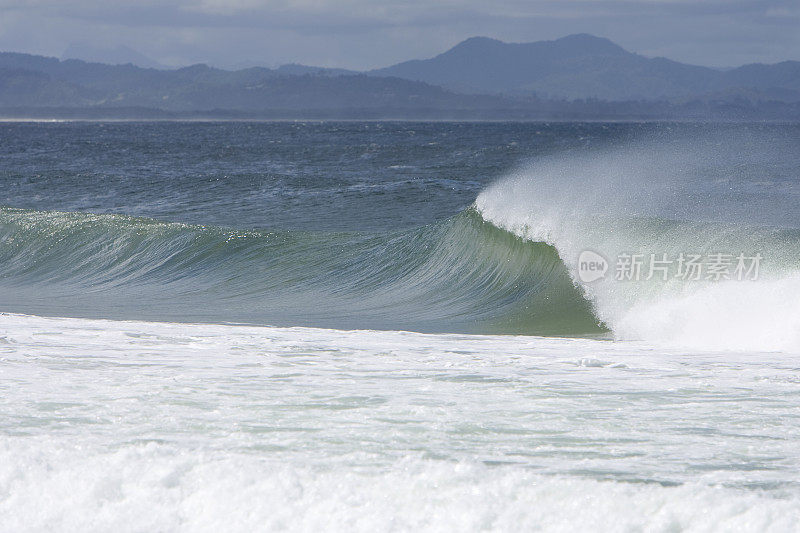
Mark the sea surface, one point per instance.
(399, 326)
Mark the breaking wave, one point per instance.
(685, 198)
(508, 264)
(461, 275)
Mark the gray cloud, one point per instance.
(364, 34)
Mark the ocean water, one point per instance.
(388, 327)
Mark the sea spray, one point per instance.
(665, 202)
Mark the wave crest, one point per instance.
(668, 200)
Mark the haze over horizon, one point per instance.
(360, 35)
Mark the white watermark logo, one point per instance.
(715, 266)
(591, 266)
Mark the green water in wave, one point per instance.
(458, 275)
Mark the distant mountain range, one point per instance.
(36, 82)
(584, 66)
(576, 77)
(119, 55)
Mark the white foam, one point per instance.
(732, 315)
(134, 426)
(156, 488)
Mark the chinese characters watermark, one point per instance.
(716, 266)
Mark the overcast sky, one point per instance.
(363, 34)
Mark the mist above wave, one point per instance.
(672, 197)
